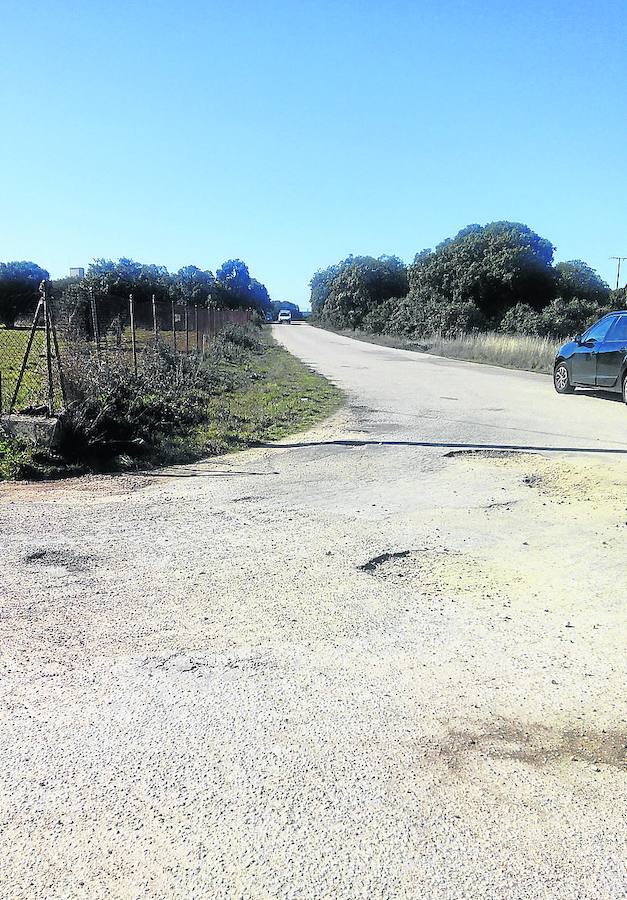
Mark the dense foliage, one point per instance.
(19, 290)
(347, 294)
(232, 286)
(497, 276)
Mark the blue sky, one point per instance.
(291, 134)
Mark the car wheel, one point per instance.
(625, 388)
(561, 379)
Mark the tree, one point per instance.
(192, 286)
(347, 293)
(576, 278)
(234, 279)
(235, 287)
(259, 296)
(494, 266)
(127, 276)
(19, 290)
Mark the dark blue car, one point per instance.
(595, 359)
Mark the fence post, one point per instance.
(44, 293)
(173, 327)
(94, 322)
(197, 331)
(131, 304)
(57, 355)
(154, 318)
(186, 328)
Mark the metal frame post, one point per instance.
(29, 345)
(55, 342)
(44, 292)
(94, 322)
(154, 318)
(131, 305)
(173, 327)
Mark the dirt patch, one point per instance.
(438, 572)
(576, 481)
(106, 488)
(73, 562)
(537, 745)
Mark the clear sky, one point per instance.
(291, 133)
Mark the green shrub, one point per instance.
(521, 319)
(417, 315)
(112, 411)
(565, 318)
(232, 339)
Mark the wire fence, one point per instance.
(86, 326)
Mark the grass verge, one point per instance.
(511, 351)
(247, 390)
(283, 396)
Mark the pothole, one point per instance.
(440, 573)
(377, 561)
(66, 559)
(488, 453)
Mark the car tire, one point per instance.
(561, 379)
(625, 388)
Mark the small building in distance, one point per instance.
(77, 272)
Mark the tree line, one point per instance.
(499, 276)
(232, 286)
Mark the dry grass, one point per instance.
(514, 351)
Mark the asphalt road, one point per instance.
(448, 402)
(360, 663)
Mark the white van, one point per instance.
(284, 317)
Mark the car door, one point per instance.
(584, 359)
(611, 353)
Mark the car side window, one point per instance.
(599, 330)
(618, 331)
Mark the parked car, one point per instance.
(595, 359)
(284, 317)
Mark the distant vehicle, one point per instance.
(595, 359)
(284, 317)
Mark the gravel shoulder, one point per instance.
(347, 665)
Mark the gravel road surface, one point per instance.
(366, 662)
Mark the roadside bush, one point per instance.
(564, 318)
(113, 411)
(521, 319)
(419, 315)
(232, 339)
(377, 320)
